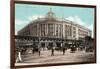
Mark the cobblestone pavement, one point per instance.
(46, 58)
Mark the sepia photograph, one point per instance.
(46, 33)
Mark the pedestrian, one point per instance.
(33, 51)
(52, 50)
(39, 51)
(19, 58)
(63, 51)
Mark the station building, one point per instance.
(51, 31)
(52, 26)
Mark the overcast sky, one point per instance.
(25, 13)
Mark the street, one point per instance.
(46, 58)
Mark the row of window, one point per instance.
(68, 30)
(55, 30)
(51, 29)
(82, 32)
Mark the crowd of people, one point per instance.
(22, 51)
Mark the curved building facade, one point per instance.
(52, 26)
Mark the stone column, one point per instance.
(55, 30)
(58, 29)
(39, 30)
(45, 29)
(63, 31)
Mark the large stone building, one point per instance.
(52, 26)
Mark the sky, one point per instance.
(25, 13)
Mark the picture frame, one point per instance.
(17, 12)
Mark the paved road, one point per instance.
(46, 57)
